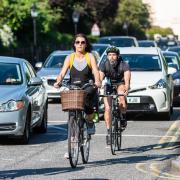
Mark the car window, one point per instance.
(10, 74)
(141, 62)
(146, 44)
(120, 42)
(54, 61)
(33, 74)
(27, 72)
(99, 49)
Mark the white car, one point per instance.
(151, 87)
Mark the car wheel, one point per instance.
(24, 139)
(42, 128)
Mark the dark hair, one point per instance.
(88, 45)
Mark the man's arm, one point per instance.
(127, 78)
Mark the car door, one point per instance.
(34, 93)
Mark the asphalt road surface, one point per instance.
(148, 146)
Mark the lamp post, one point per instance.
(75, 18)
(126, 26)
(34, 15)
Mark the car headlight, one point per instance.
(176, 82)
(159, 85)
(11, 106)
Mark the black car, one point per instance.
(120, 41)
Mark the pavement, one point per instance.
(176, 164)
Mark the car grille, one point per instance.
(51, 82)
(7, 127)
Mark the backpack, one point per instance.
(87, 57)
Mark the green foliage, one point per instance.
(135, 14)
(158, 30)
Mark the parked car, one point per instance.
(151, 87)
(174, 49)
(100, 48)
(120, 41)
(23, 99)
(147, 43)
(49, 71)
(173, 60)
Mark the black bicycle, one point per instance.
(78, 137)
(116, 117)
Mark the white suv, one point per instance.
(151, 87)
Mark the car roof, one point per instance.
(8, 59)
(170, 53)
(114, 37)
(61, 52)
(139, 50)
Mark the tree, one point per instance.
(16, 15)
(134, 16)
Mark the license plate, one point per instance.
(133, 99)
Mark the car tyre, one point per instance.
(166, 116)
(42, 128)
(24, 139)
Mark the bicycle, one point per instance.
(78, 138)
(116, 117)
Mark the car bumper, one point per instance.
(12, 123)
(150, 101)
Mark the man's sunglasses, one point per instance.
(80, 42)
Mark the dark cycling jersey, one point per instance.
(115, 74)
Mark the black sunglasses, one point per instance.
(80, 42)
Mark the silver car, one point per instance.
(49, 71)
(23, 99)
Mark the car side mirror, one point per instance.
(39, 65)
(35, 81)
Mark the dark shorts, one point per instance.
(112, 89)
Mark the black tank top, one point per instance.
(83, 74)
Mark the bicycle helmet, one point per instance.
(112, 49)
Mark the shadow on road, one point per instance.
(12, 174)
(55, 134)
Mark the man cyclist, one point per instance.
(83, 67)
(116, 71)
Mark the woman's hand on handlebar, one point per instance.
(57, 85)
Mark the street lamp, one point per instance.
(126, 26)
(34, 15)
(75, 18)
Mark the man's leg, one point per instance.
(107, 116)
(122, 106)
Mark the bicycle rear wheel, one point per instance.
(119, 135)
(73, 141)
(114, 136)
(85, 143)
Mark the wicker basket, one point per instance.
(73, 99)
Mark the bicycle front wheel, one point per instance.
(114, 136)
(119, 135)
(85, 143)
(73, 141)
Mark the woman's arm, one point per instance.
(63, 71)
(95, 71)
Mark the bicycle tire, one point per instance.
(73, 141)
(119, 135)
(113, 136)
(85, 143)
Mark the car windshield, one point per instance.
(141, 62)
(55, 61)
(99, 49)
(172, 59)
(120, 42)
(146, 44)
(10, 74)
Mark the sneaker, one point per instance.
(95, 117)
(108, 139)
(90, 128)
(66, 155)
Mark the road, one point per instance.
(146, 152)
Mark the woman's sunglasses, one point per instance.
(80, 42)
